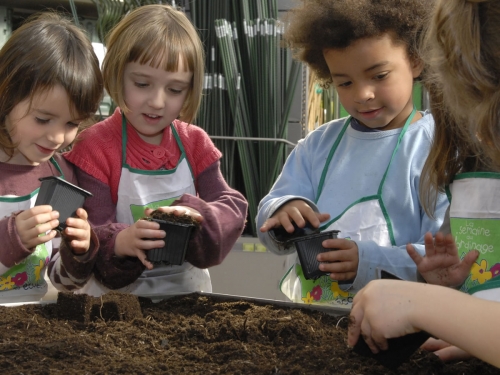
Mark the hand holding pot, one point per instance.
(297, 211)
(32, 223)
(133, 240)
(342, 262)
(77, 232)
(382, 310)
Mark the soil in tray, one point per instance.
(192, 334)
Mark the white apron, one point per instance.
(364, 219)
(26, 280)
(475, 225)
(140, 189)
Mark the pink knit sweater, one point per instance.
(98, 150)
(97, 153)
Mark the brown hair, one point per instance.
(157, 35)
(336, 24)
(48, 50)
(462, 49)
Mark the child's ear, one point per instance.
(417, 66)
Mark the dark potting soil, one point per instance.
(172, 218)
(192, 334)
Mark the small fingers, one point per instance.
(141, 255)
(433, 344)
(414, 255)
(452, 353)
(82, 214)
(80, 246)
(269, 224)
(354, 328)
(429, 244)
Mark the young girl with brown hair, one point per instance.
(49, 84)
(147, 156)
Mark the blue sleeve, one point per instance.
(294, 182)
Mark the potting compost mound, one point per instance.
(191, 334)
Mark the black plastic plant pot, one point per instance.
(308, 248)
(286, 240)
(176, 243)
(63, 196)
(400, 349)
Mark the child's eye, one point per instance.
(175, 91)
(41, 120)
(141, 84)
(72, 124)
(344, 84)
(381, 75)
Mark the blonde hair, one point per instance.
(48, 50)
(160, 36)
(462, 50)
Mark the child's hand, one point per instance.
(297, 211)
(441, 264)
(178, 211)
(342, 263)
(134, 240)
(77, 232)
(445, 351)
(377, 315)
(35, 221)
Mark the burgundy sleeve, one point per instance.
(111, 271)
(13, 250)
(224, 212)
(69, 271)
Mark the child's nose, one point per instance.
(157, 99)
(56, 136)
(363, 94)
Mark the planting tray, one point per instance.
(176, 243)
(327, 309)
(63, 196)
(330, 310)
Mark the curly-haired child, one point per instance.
(359, 174)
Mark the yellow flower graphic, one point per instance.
(6, 283)
(479, 273)
(337, 291)
(38, 269)
(308, 299)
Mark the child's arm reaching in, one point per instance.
(386, 309)
(441, 264)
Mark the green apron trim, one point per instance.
(32, 194)
(365, 199)
(384, 177)
(490, 284)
